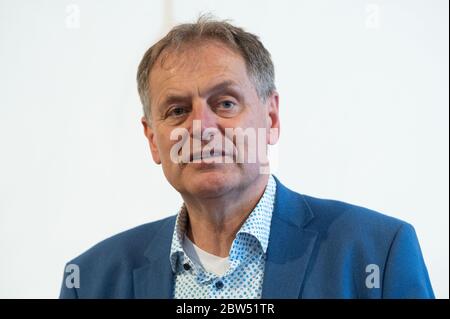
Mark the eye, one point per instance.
(177, 111)
(227, 105)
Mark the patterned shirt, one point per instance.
(244, 277)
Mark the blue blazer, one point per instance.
(317, 249)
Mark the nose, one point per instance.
(203, 115)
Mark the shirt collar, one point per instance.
(257, 225)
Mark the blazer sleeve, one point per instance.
(405, 274)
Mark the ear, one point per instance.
(150, 135)
(273, 119)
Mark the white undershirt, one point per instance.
(211, 263)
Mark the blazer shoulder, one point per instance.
(128, 245)
(351, 238)
(105, 270)
(350, 218)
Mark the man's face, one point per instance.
(207, 83)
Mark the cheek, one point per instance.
(248, 117)
(164, 147)
(169, 149)
(253, 117)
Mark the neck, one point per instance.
(214, 222)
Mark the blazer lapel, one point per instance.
(290, 246)
(155, 279)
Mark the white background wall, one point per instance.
(364, 111)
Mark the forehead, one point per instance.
(197, 65)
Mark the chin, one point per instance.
(210, 182)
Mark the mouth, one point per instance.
(199, 157)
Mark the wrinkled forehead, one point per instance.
(191, 61)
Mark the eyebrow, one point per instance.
(220, 87)
(227, 84)
(173, 98)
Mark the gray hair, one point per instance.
(257, 59)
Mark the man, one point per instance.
(205, 87)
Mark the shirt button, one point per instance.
(186, 266)
(219, 284)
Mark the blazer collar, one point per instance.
(155, 279)
(290, 245)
